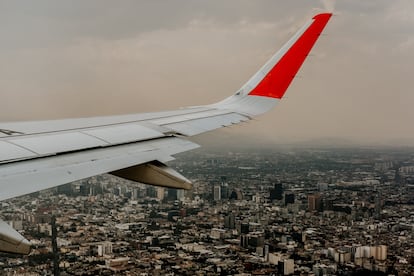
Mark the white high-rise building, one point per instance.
(160, 193)
(217, 192)
(180, 194)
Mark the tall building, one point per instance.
(65, 189)
(230, 221)
(266, 252)
(160, 193)
(84, 189)
(378, 205)
(217, 192)
(286, 267)
(314, 203)
(244, 241)
(256, 240)
(289, 198)
(236, 194)
(171, 194)
(225, 192)
(377, 252)
(122, 190)
(180, 194)
(277, 192)
(92, 190)
(244, 228)
(151, 191)
(135, 194)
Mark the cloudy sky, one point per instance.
(86, 58)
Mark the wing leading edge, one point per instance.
(43, 154)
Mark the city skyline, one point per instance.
(304, 211)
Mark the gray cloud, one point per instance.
(78, 58)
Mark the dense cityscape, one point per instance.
(273, 211)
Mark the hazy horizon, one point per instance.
(80, 59)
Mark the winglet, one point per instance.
(275, 77)
(262, 91)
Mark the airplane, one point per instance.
(38, 155)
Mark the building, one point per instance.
(377, 252)
(105, 248)
(256, 239)
(322, 187)
(286, 267)
(244, 228)
(342, 257)
(274, 258)
(266, 253)
(230, 221)
(180, 194)
(314, 203)
(277, 192)
(289, 198)
(160, 193)
(134, 194)
(171, 194)
(217, 233)
(236, 194)
(117, 264)
(225, 192)
(244, 241)
(217, 192)
(151, 191)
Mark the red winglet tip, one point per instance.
(278, 79)
(325, 16)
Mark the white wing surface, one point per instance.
(43, 154)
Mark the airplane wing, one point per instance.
(43, 154)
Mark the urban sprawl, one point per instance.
(283, 211)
